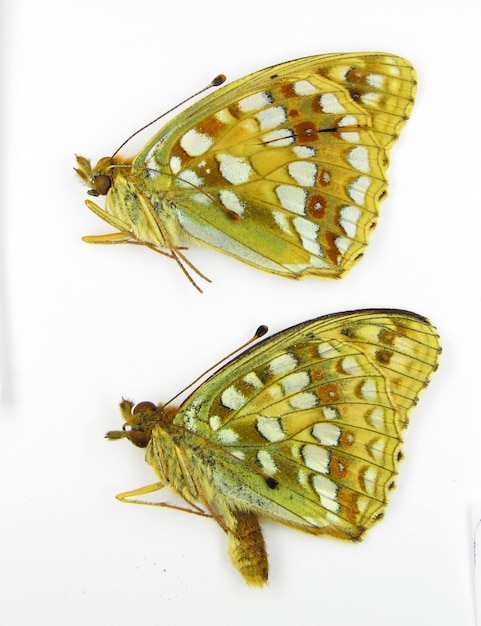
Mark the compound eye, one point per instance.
(139, 438)
(144, 407)
(102, 184)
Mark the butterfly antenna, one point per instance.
(260, 332)
(215, 82)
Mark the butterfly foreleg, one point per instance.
(124, 235)
(119, 237)
(131, 497)
(110, 238)
(161, 233)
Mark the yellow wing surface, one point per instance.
(283, 169)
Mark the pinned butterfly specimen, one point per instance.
(283, 169)
(304, 428)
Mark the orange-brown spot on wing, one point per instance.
(232, 215)
(312, 352)
(357, 76)
(328, 393)
(217, 408)
(306, 132)
(338, 467)
(387, 337)
(331, 249)
(288, 91)
(316, 374)
(178, 152)
(324, 178)
(235, 111)
(383, 356)
(293, 113)
(316, 105)
(347, 439)
(316, 206)
(348, 501)
(400, 330)
(358, 390)
(210, 126)
(360, 477)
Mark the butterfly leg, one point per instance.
(110, 219)
(127, 496)
(124, 235)
(157, 227)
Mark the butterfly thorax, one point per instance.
(151, 427)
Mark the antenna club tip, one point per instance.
(261, 331)
(218, 80)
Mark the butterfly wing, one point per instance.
(306, 427)
(285, 168)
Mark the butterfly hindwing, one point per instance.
(320, 409)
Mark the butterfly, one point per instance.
(283, 169)
(305, 428)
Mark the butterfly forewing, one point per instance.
(320, 409)
(283, 169)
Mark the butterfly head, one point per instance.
(139, 420)
(98, 178)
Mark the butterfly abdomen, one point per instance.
(247, 549)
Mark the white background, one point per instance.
(83, 325)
